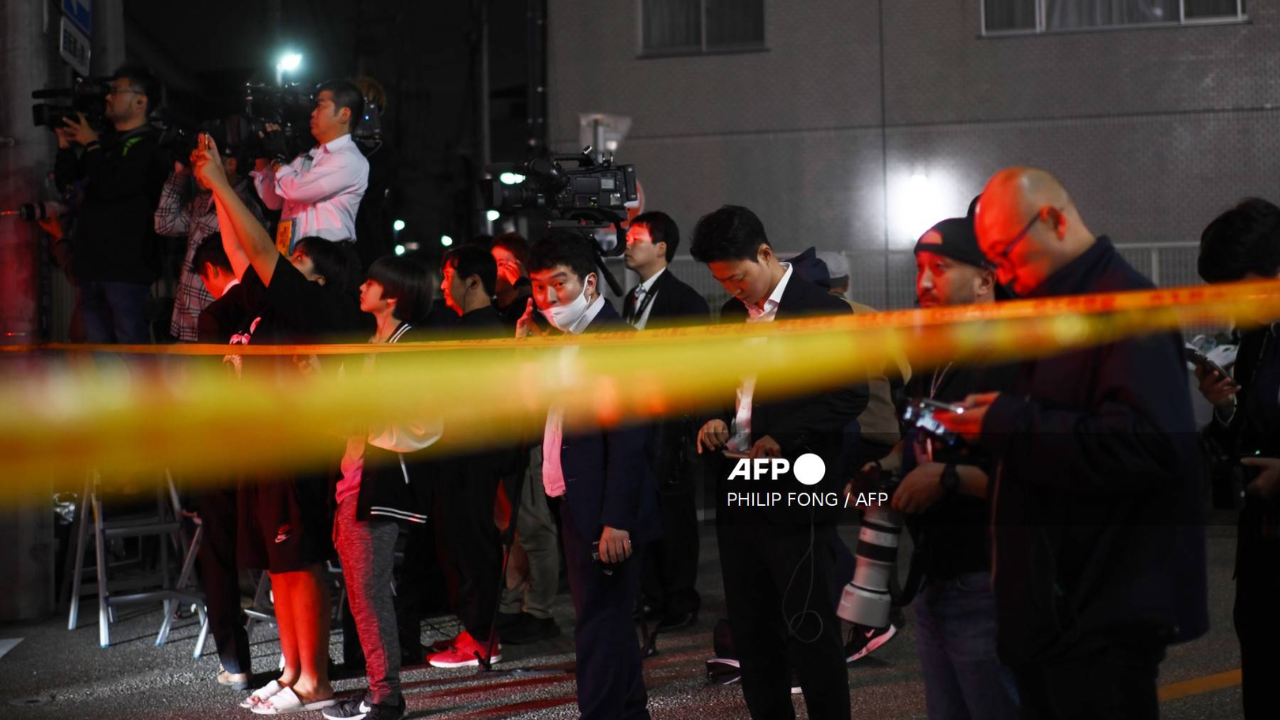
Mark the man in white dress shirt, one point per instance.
(319, 192)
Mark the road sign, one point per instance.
(80, 12)
(73, 45)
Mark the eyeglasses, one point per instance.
(1009, 246)
(121, 90)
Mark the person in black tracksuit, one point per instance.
(1244, 244)
(467, 538)
(1097, 530)
(780, 609)
(217, 507)
(661, 299)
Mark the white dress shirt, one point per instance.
(740, 439)
(318, 193)
(553, 434)
(645, 292)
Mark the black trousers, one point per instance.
(670, 569)
(1104, 677)
(469, 546)
(610, 681)
(777, 581)
(1257, 621)
(219, 576)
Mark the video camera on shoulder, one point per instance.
(289, 107)
(585, 198)
(86, 95)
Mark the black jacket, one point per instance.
(1096, 509)
(805, 424)
(116, 236)
(673, 302)
(395, 485)
(608, 477)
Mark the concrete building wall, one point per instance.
(1154, 130)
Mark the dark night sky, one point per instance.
(420, 51)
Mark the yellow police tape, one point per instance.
(64, 413)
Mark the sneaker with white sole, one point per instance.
(864, 640)
(358, 708)
(466, 652)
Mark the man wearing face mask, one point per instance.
(604, 488)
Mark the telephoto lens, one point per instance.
(867, 600)
(35, 212)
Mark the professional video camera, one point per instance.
(289, 107)
(87, 95)
(588, 197)
(868, 598)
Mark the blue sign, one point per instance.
(79, 12)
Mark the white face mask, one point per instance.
(563, 317)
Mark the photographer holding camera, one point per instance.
(318, 192)
(117, 256)
(943, 491)
(194, 214)
(1244, 244)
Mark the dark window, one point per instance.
(696, 26)
(1039, 16)
(1007, 15)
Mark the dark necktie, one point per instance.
(629, 308)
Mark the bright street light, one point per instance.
(289, 62)
(398, 225)
(493, 215)
(445, 240)
(399, 249)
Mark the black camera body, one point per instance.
(592, 194)
(87, 95)
(289, 107)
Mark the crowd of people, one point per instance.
(1058, 551)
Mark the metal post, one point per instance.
(27, 43)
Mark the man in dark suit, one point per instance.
(605, 489)
(661, 299)
(776, 574)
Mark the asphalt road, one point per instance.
(54, 673)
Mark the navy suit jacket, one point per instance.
(608, 476)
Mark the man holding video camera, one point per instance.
(1097, 529)
(605, 490)
(943, 491)
(117, 255)
(317, 193)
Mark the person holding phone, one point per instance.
(1244, 244)
(943, 493)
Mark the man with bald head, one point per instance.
(1098, 550)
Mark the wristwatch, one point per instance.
(950, 478)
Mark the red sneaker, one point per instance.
(466, 652)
